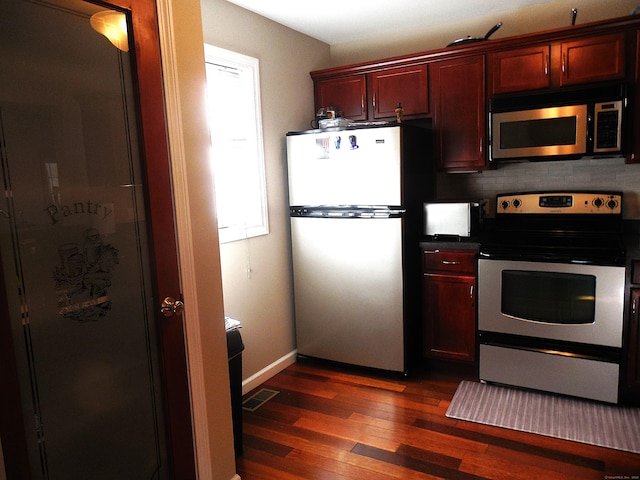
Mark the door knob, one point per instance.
(171, 307)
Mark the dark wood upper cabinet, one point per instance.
(459, 117)
(586, 60)
(405, 85)
(450, 86)
(375, 96)
(520, 69)
(592, 59)
(347, 95)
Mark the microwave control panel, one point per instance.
(607, 127)
(606, 203)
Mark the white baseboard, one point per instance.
(269, 371)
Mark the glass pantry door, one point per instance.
(76, 249)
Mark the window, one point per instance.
(235, 122)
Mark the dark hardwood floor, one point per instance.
(335, 423)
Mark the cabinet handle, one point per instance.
(546, 65)
(362, 102)
(374, 101)
(481, 144)
(471, 292)
(449, 262)
(564, 63)
(633, 307)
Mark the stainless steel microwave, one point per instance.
(558, 126)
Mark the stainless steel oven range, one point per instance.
(551, 293)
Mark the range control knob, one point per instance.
(517, 203)
(504, 204)
(598, 202)
(612, 204)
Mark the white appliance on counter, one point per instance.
(356, 197)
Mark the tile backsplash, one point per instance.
(583, 174)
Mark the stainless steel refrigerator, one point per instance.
(355, 197)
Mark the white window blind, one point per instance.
(235, 122)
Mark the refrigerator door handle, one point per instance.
(365, 212)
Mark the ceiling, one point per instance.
(342, 21)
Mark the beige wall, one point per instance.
(184, 77)
(545, 16)
(262, 300)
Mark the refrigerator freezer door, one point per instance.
(348, 290)
(345, 167)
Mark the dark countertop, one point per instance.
(451, 243)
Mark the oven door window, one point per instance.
(549, 297)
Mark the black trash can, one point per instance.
(235, 348)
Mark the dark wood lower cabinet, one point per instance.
(449, 304)
(633, 355)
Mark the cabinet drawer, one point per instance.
(453, 261)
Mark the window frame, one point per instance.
(242, 231)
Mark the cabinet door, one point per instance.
(634, 155)
(345, 94)
(449, 309)
(405, 85)
(520, 69)
(458, 99)
(592, 59)
(633, 376)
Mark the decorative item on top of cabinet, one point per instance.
(586, 60)
(347, 94)
(459, 116)
(405, 85)
(449, 304)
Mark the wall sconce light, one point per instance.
(112, 25)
